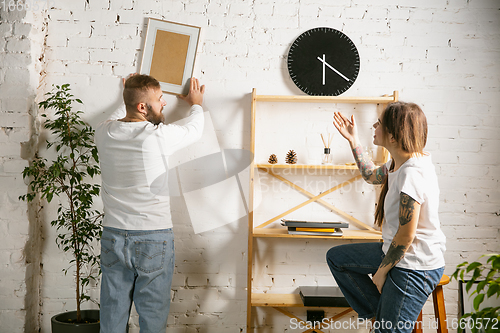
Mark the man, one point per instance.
(137, 249)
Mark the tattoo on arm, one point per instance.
(406, 209)
(366, 167)
(380, 174)
(394, 255)
(407, 213)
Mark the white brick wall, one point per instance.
(440, 54)
(20, 240)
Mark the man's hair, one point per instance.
(136, 88)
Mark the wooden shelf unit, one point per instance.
(278, 301)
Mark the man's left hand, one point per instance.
(195, 95)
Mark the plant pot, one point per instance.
(60, 324)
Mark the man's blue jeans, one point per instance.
(404, 293)
(137, 266)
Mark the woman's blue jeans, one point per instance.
(404, 293)
(137, 266)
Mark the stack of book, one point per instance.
(314, 228)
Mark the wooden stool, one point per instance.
(439, 310)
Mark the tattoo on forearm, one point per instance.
(406, 209)
(365, 167)
(394, 255)
(406, 214)
(380, 174)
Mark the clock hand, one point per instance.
(324, 62)
(333, 69)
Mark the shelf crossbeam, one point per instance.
(313, 198)
(280, 302)
(351, 218)
(321, 325)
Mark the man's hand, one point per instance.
(126, 78)
(195, 95)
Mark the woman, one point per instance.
(408, 265)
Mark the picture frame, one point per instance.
(169, 54)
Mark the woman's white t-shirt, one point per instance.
(416, 178)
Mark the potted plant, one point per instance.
(69, 177)
(486, 279)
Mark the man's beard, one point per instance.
(153, 118)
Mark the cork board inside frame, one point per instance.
(169, 54)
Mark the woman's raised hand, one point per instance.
(345, 126)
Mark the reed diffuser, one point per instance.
(327, 156)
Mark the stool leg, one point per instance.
(418, 328)
(439, 309)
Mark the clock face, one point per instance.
(323, 62)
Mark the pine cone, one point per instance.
(273, 159)
(291, 157)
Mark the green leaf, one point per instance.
(472, 266)
(469, 285)
(491, 256)
(490, 274)
(493, 289)
(496, 262)
(476, 274)
(481, 285)
(478, 300)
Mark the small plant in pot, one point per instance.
(484, 280)
(69, 177)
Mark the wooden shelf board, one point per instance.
(280, 300)
(325, 99)
(348, 234)
(306, 166)
(276, 300)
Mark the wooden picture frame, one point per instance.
(169, 54)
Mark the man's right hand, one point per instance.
(195, 95)
(126, 78)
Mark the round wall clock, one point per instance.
(323, 62)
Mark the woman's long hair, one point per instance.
(408, 126)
